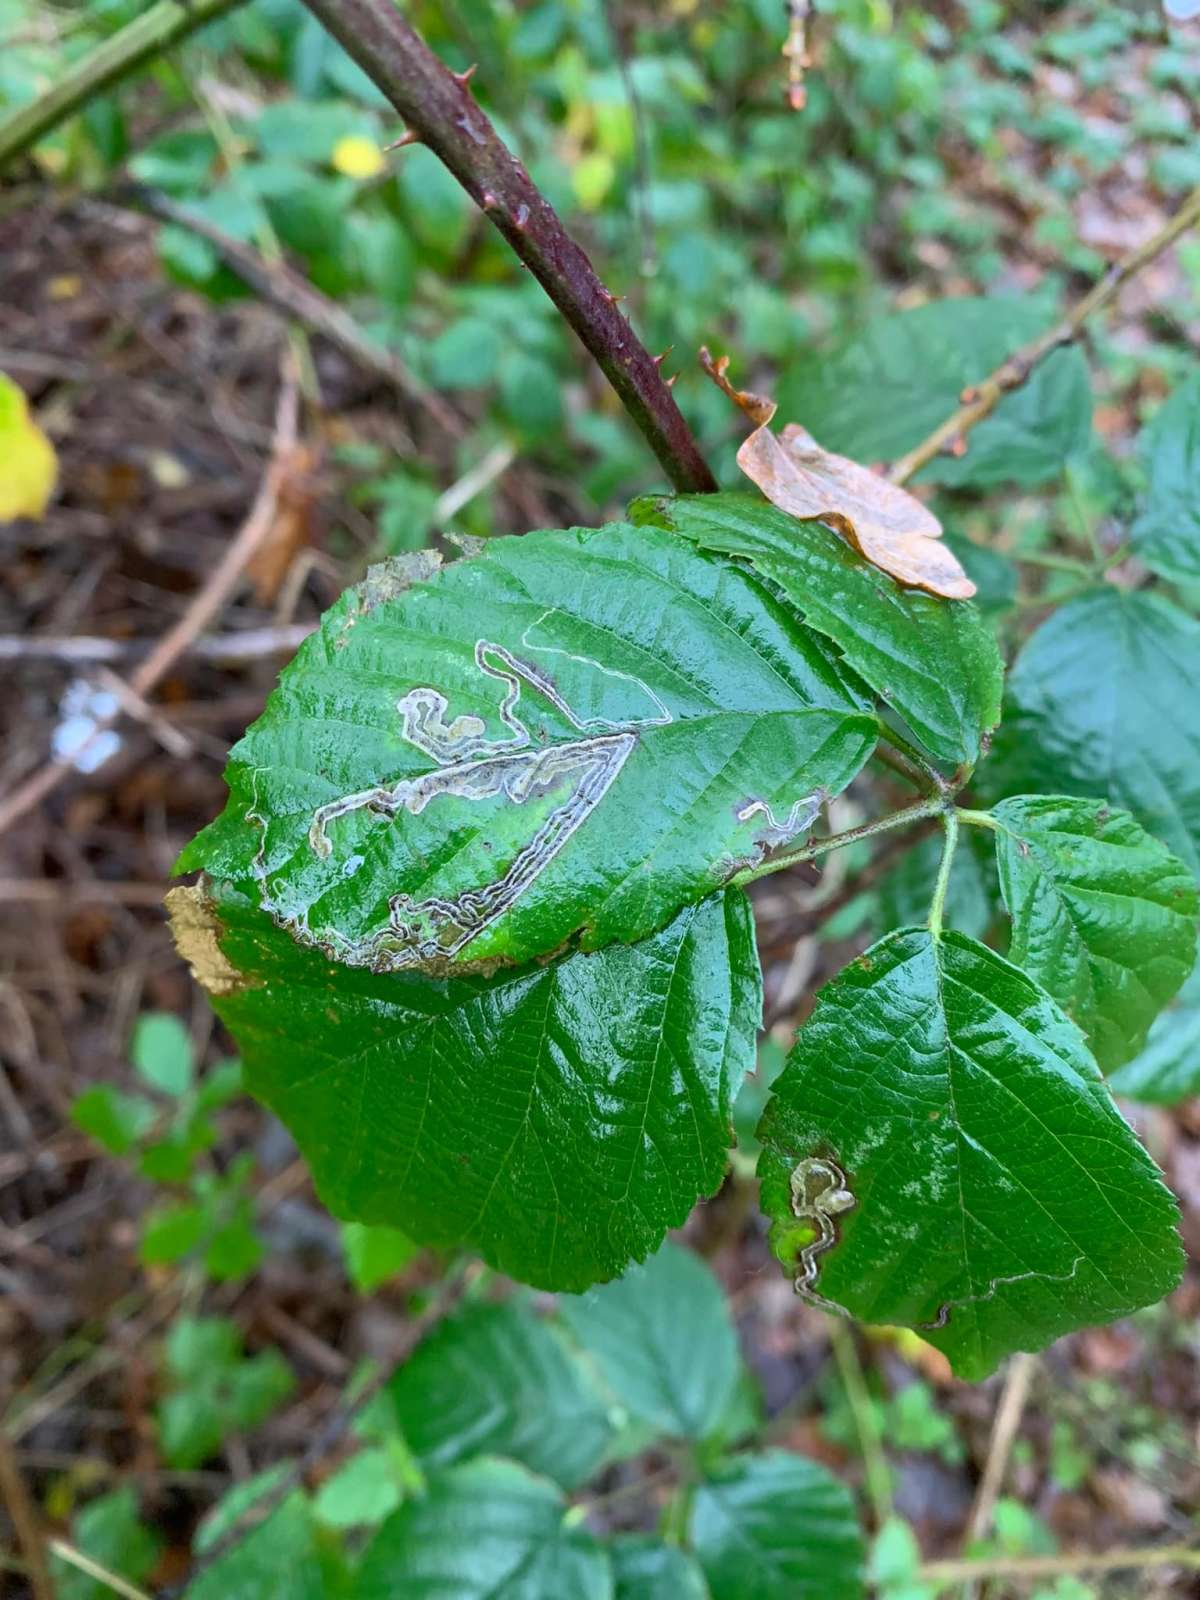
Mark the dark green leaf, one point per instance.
(1168, 1069)
(941, 1153)
(889, 386)
(171, 1232)
(646, 1569)
(934, 661)
(1105, 702)
(777, 1527)
(1166, 536)
(599, 726)
(607, 1081)
(488, 1530)
(498, 1380)
(1104, 917)
(632, 1329)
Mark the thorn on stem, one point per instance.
(463, 79)
(411, 137)
(671, 381)
(956, 447)
(969, 395)
(658, 360)
(488, 201)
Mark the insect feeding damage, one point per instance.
(819, 1194)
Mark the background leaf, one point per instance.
(935, 662)
(645, 1569)
(777, 1527)
(885, 388)
(497, 1380)
(608, 1081)
(485, 1531)
(991, 1173)
(1105, 703)
(682, 1387)
(1166, 536)
(732, 711)
(1104, 917)
(1168, 1068)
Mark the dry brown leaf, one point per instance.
(884, 523)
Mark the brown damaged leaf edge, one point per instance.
(197, 931)
(888, 526)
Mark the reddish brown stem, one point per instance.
(440, 110)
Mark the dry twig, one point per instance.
(979, 402)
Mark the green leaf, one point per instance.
(987, 1190)
(234, 1504)
(886, 388)
(607, 1079)
(1168, 1069)
(162, 1052)
(1104, 917)
(489, 1530)
(1166, 536)
(646, 1569)
(934, 661)
(172, 1231)
(632, 1327)
(777, 1527)
(638, 722)
(1105, 703)
(111, 1532)
(363, 1492)
(213, 1390)
(251, 1570)
(498, 1380)
(373, 1255)
(115, 1120)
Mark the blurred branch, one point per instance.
(147, 36)
(440, 111)
(1129, 1560)
(23, 1515)
(288, 291)
(981, 400)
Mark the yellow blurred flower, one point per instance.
(28, 464)
(358, 157)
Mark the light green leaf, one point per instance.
(1105, 703)
(632, 1329)
(111, 1532)
(497, 1380)
(373, 1255)
(888, 386)
(362, 1492)
(598, 728)
(1166, 536)
(934, 661)
(941, 1153)
(285, 1544)
(1104, 917)
(161, 1049)
(1168, 1069)
(646, 1569)
(234, 1504)
(777, 1527)
(607, 1081)
(485, 1531)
